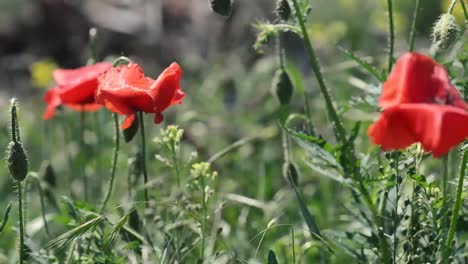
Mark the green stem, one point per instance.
(114, 163)
(143, 156)
(21, 222)
(465, 13)
(176, 165)
(445, 167)
(338, 125)
(82, 149)
(202, 253)
(457, 205)
(452, 6)
(413, 26)
(41, 197)
(395, 213)
(392, 34)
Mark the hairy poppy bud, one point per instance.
(290, 173)
(221, 7)
(17, 161)
(445, 31)
(283, 10)
(16, 158)
(282, 86)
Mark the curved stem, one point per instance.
(114, 163)
(452, 6)
(413, 26)
(337, 124)
(457, 205)
(392, 34)
(143, 156)
(41, 197)
(21, 222)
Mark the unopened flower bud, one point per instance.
(221, 7)
(282, 86)
(283, 10)
(17, 161)
(445, 31)
(130, 132)
(290, 173)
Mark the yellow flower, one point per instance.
(41, 72)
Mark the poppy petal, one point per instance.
(437, 127)
(417, 78)
(166, 90)
(53, 101)
(71, 77)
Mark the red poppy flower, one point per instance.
(75, 88)
(125, 90)
(420, 105)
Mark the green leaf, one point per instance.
(5, 217)
(109, 239)
(369, 68)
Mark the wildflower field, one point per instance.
(234, 131)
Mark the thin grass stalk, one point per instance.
(143, 157)
(337, 123)
(391, 36)
(413, 26)
(176, 165)
(114, 164)
(456, 206)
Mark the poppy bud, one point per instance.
(282, 87)
(131, 131)
(290, 173)
(221, 7)
(48, 174)
(17, 160)
(445, 31)
(283, 10)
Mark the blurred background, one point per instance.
(54, 33)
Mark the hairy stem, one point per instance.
(452, 6)
(337, 124)
(21, 222)
(114, 163)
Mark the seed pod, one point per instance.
(282, 87)
(221, 7)
(445, 31)
(283, 11)
(17, 161)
